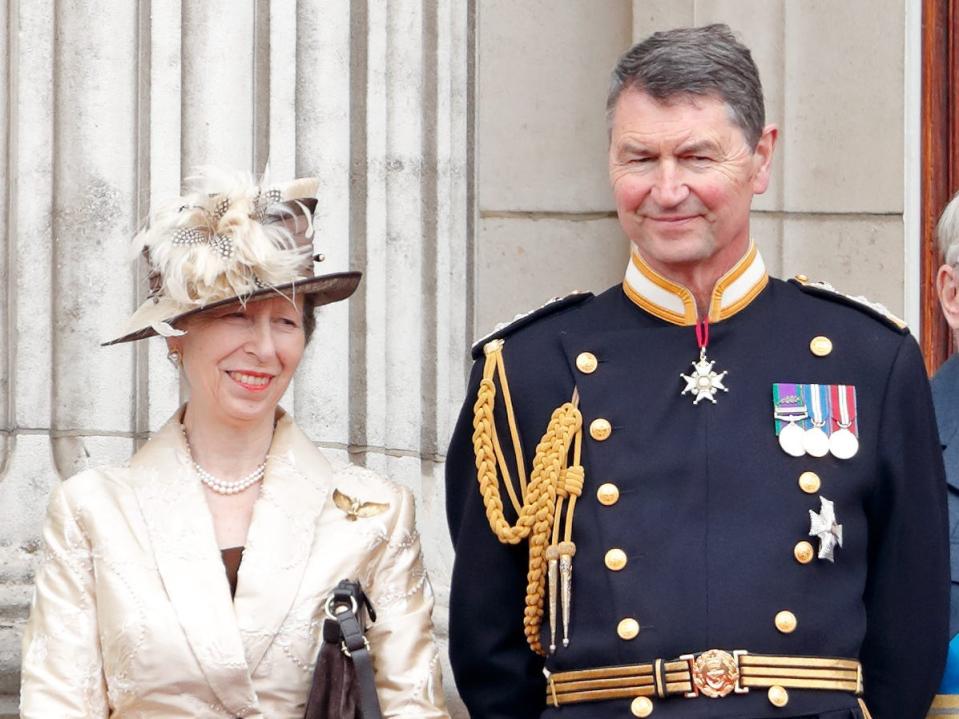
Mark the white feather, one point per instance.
(197, 275)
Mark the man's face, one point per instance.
(683, 176)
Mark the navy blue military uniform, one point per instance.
(707, 511)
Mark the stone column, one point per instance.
(28, 472)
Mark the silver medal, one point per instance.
(843, 444)
(815, 440)
(791, 440)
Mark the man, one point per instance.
(704, 492)
(945, 394)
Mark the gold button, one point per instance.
(786, 622)
(778, 696)
(802, 278)
(809, 482)
(820, 346)
(600, 429)
(586, 362)
(615, 559)
(641, 707)
(607, 494)
(804, 552)
(628, 629)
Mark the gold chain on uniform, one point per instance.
(539, 506)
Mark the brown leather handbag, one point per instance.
(343, 683)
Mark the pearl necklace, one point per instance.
(218, 485)
(221, 487)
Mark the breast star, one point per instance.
(823, 524)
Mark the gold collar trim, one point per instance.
(674, 303)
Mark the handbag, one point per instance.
(343, 683)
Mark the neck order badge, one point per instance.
(703, 383)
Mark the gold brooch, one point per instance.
(355, 509)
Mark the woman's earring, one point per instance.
(174, 357)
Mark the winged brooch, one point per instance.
(355, 509)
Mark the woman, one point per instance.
(192, 582)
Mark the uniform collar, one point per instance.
(674, 303)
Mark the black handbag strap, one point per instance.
(344, 606)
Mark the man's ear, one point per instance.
(763, 157)
(947, 287)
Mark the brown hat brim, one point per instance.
(324, 289)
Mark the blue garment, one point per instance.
(950, 681)
(945, 397)
(710, 509)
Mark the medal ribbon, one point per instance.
(816, 405)
(777, 422)
(702, 333)
(789, 405)
(843, 400)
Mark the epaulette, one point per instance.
(504, 329)
(873, 309)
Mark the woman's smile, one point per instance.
(252, 381)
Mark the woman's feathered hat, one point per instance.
(229, 240)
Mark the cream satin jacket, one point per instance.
(132, 615)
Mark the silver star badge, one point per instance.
(704, 383)
(823, 524)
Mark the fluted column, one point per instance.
(94, 216)
(107, 104)
(28, 471)
(324, 143)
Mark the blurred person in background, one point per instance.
(945, 396)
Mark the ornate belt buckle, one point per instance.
(715, 673)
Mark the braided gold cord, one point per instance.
(487, 475)
(544, 484)
(550, 481)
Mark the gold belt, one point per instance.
(714, 673)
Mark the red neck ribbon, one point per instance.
(702, 333)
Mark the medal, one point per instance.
(703, 382)
(843, 443)
(823, 524)
(789, 411)
(815, 440)
(791, 440)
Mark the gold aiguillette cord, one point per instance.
(540, 501)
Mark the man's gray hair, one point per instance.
(704, 61)
(947, 232)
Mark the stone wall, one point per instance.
(461, 147)
(106, 104)
(834, 76)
